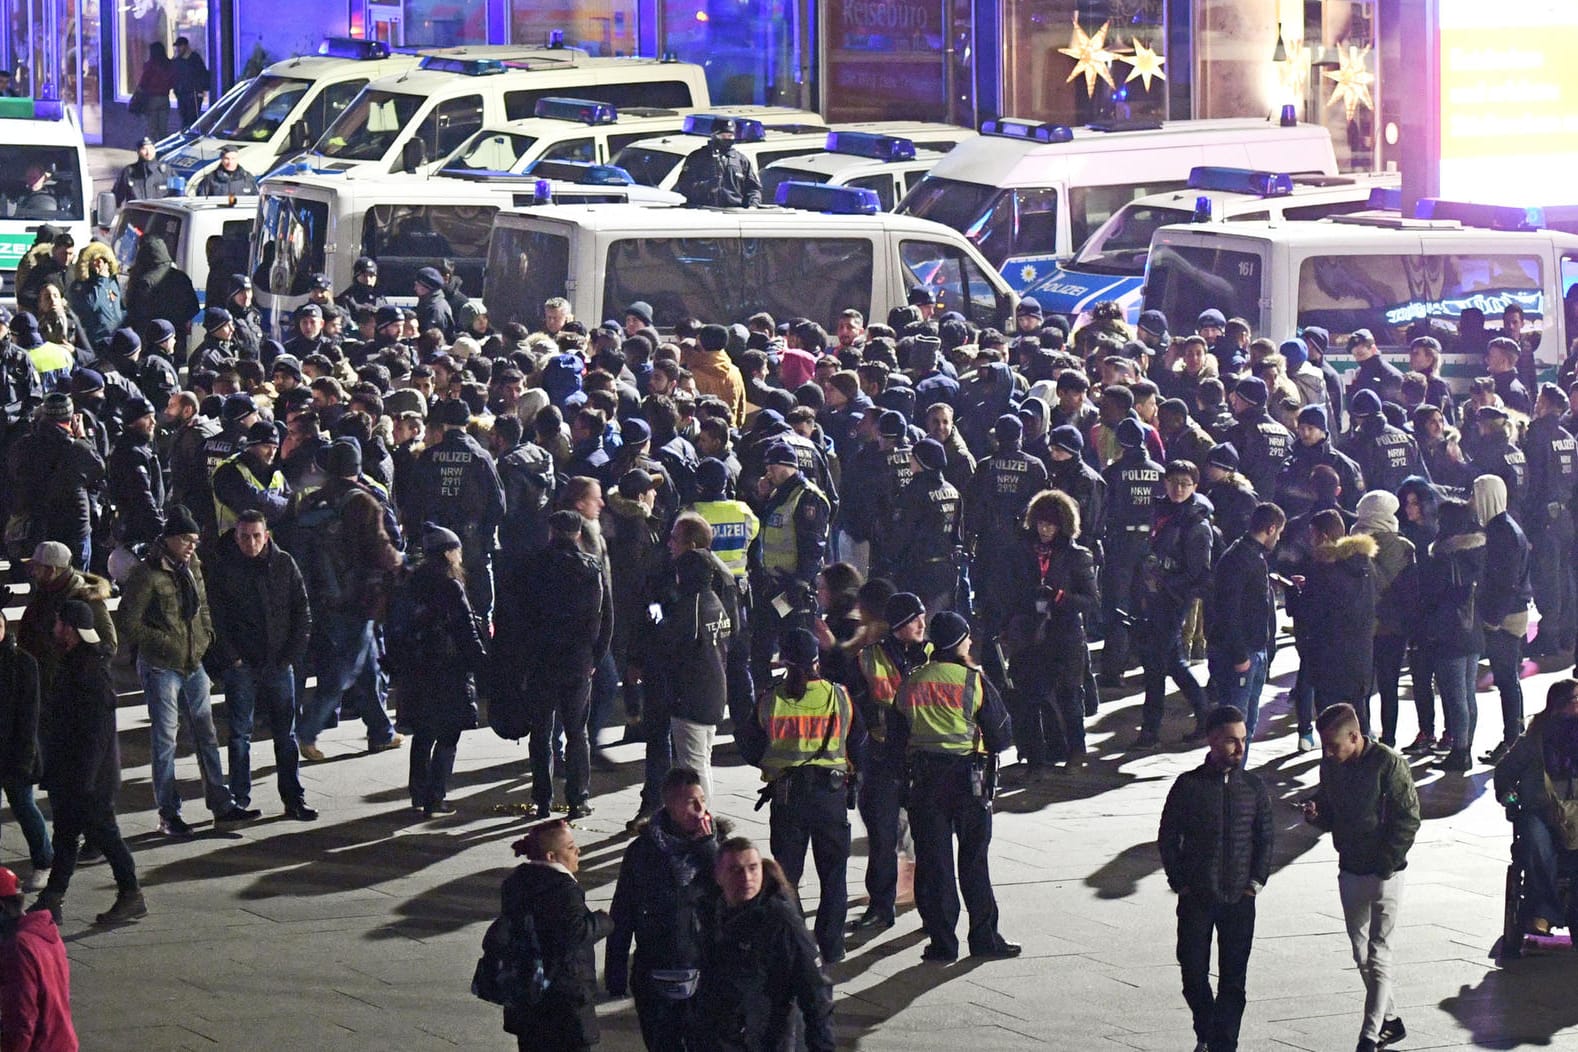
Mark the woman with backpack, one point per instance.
(434, 650)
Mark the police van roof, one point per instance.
(1304, 189)
(639, 221)
(440, 73)
(197, 204)
(829, 166)
(1360, 231)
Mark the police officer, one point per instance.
(1294, 491)
(1494, 454)
(893, 438)
(720, 176)
(432, 308)
(786, 556)
(249, 481)
(1551, 456)
(455, 484)
(216, 350)
(1068, 471)
(229, 179)
(993, 511)
(144, 179)
(363, 291)
(926, 528)
(237, 413)
(1263, 445)
(1386, 455)
(248, 336)
(882, 667)
(1134, 489)
(952, 724)
(810, 726)
(734, 529)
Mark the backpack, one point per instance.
(511, 971)
(406, 628)
(316, 540)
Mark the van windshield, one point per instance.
(1184, 280)
(40, 182)
(288, 246)
(526, 268)
(491, 151)
(1120, 245)
(1001, 223)
(369, 126)
(257, 114)
(647, 166)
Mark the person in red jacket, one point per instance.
(35, 980)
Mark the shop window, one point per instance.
(602, 27)
(753, 50)
(1124, 78)
(445, 23)
(143, 25)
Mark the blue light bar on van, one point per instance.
(745, 129)
(583, 111)
(465, 67)
(1013, 128)
(869, 144)
(351, 47)
(1240, 181)
(555, 39)
(579, 172)
(835, 200)
(32, 109)
(542, 191)
(1492, 217)
(1386, 199)
(1202, 210)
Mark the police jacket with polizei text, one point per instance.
(1134, 491)
(1498, 456)
(810, 526)
(1264, 446)
(456, 485)
(1386, 455)
(999, 493)
(1550, 471)
(925, 529)
(1216, 833)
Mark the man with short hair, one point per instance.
(229, 179)
(1215, 842)
(191, 80)
(1175, 573)
(144, 179)
(1368, 801)
(1241, 626)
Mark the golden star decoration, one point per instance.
(1351, 81)
(1144, 64)
(1295, 73)
(1090, 56)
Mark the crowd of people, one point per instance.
(880, 553)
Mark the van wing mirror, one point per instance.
(300, 137)
(413, 155)
(104, 210)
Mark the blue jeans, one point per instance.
(171, 696)
(31, 819)
(1455, 678)
(1228, 686)
(1539, 869)
(345, 657)
(275, 688)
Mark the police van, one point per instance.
(206, 121)
(657, 161)
(1399, 277)
(1027, 194)
(888, 164)
(318, 223)
(411, 121)
(204, 235)
(1110, 265)
(829, 250)
(43, 179)
(282, 110)
(570, 129)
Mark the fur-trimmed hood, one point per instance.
(1458, 542)
(1353, 546)
(91, 251)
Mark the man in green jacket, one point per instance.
(1367, 799)
(164, 614)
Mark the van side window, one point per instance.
(451, 123)
(1091, 206)
(572, 150)
(526, 268)
(406, 238)
(882, 183)
(1183, 280)
(955, 279)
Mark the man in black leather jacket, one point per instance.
(719, 176)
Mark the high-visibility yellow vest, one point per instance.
(940, 699)
(52, 357)
(796, 728)
(883, 675)
(780, 533)
(734, 527)
(223, 514)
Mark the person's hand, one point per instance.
(823, 634)
(1298, 581)
(1242, 666)
(1311, 811)
(706, 823)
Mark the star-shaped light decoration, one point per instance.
(1090, 56)
(1295, 72)
(1351, 81)
(1144, 64)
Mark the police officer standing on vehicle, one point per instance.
(952, 724)
(882, 668)
(1551, 471)
(1134, 489)
(926, 529)
(786, 556)
(719, 176)
(810, 726)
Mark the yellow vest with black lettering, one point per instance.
(940, 699)
(796, 728)
(780, 534)
(734, 527)
(222, 511)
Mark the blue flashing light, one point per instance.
(869, 144)
(1386, 199)
(745, 129)
(1240, 181)
(1013, 128)
(555, 39)
(25, 109)
(49, 110)
(353, 47)
(176, 184)
(1202, 210)
(1290, 116)
(834, 200)
(583, 111)
(542, 191)
(465, 67)
(1492, 217)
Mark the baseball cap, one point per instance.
(79, 615)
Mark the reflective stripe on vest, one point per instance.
(222, 512)
(780, 536)
(940, 699)
(883, 677)
(796, 727)
(731, 531)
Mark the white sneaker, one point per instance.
(1306, 742)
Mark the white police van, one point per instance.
(1110, 265)
(43, 179)
(320, 223)
(203, 234)
(412, 121)
(570, 129)
(206, 121)
(1399, 277)
(830, 250)
(657, 162)
(284, 109)
(891, 165)
(1028, 194)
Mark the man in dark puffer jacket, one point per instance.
(1215, 843)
